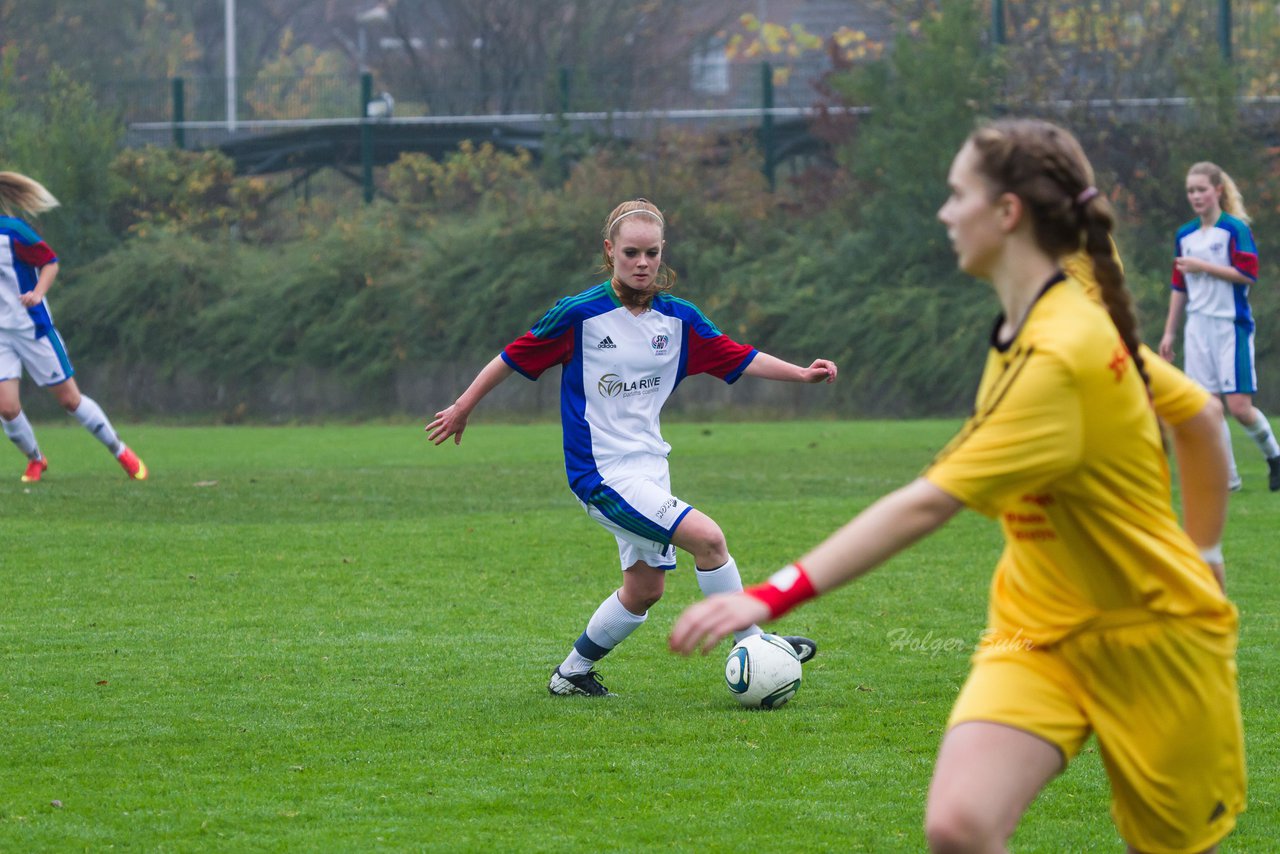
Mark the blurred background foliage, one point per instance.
(189, 289)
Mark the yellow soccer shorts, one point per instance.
(1165, 708)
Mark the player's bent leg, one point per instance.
(699, 535)
(986, 776)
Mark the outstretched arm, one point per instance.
(1202, 470)
(452, 421)
(772, 368)
(872, 537)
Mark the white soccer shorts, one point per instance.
(44, 358)
(635, 504)
(1219, 355)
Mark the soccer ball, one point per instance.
(763, 671)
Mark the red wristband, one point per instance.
(784, 590)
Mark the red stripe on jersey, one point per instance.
(533, 355)
(37, 254)
(719, 356)
(1179, 281)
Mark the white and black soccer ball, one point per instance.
(763, 671)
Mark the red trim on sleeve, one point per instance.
(36, 254)
(1245, 262)
(719, 356)
(1179, 281)
(532, 355)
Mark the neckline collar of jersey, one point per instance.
(1002, 347)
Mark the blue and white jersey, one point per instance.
(1228, 243)
(22, 254)
(619, 371)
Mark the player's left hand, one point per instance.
(30, 299)
(703, 624)
(822, 370)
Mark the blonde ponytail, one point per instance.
(20, 194)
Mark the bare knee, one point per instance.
(701, 537)
(10, 412)
(642, 587)
(1241, 408)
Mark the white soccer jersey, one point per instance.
(1229, 243)
(619, 371)
(22, 254)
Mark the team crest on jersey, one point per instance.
(660, 344)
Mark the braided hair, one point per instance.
(1044, 166)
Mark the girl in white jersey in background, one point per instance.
(1215, 262)
(28, 338)
(625, 345)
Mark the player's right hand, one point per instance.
(448, 422)
(704, 623)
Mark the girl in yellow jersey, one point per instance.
(1104, 616)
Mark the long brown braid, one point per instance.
(665, 278)
(1044, 166)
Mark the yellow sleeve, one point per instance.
(1176, 396)
(1027, 431)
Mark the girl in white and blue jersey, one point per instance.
(28, 338)
(624, 345)
(1215, 263)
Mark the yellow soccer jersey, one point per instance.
(1176, 396)
(1063, 448)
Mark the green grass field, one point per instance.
(339, 638)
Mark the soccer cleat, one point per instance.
(587, 684)
(35, 469)
(1235, 483)
(805, 648)
(132, 465)
(1273, 463)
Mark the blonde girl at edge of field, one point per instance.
(1104, 615)
(28, 338)
(624, 346)
(1215, 263)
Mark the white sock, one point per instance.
(725, 579)
(90, 414)
(1233, 472)
(1262, 436)
(20, 433)
(609, 626)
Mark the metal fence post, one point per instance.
(366, 136)
(767, 143)
(997, 22)
(179, 113)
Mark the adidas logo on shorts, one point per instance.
(606, 343)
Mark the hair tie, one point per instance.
(1085, 196)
